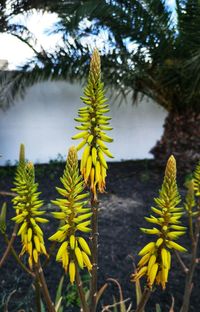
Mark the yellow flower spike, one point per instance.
(27, 205)
(156, 256)
(170, 171)
(74, 215)
(93, 126)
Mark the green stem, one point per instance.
(182, 264)
(192, 266)
(37, 295)
(44, 288)
(50, 253)
(81, 293)
(191, 230)
(15, 255)
(144, 299)
(9, 244)
(94, 249)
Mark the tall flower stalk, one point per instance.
(93, 165)
(28, 215)
(74, 251)
(94, 123)
(192, 207)
(155, 261)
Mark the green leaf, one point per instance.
(158, 308)
(59, 293)
(42, 306)
(3, 218)
(138, 291)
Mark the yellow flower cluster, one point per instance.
(27, 206)
(75, 217)
(156, 258)
(93, 126)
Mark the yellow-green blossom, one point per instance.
(28, 215)
(156, 257)
(75, 219)
(94, 123)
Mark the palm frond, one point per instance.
(144, 50)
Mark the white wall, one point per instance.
(44, 122)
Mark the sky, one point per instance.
(17, 52)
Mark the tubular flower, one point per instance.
(93, 126)
(75, 219)
(156, 257)
(28, 215)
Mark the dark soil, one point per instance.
(131, 187)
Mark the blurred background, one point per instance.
(150, 66)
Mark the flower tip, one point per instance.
(171, 167)
(30, 165)
(172, 159)
(22, 153)
(72, 149)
